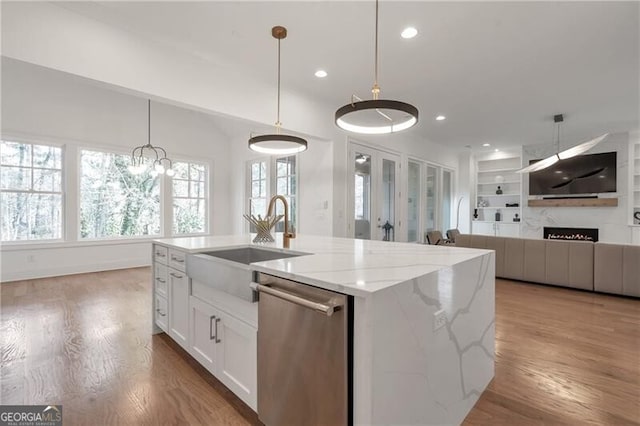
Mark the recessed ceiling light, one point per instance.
(486, 144)
(565, 178)
(558, 171)
(321, 74)
(441, 117)
(496, 150)
(409, 32)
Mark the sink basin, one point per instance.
(228, 271)
(247, 255)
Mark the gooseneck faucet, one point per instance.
(287, 235)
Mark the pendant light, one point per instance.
(567, 153)
(278, 143)
(376, 116)
(161, 164)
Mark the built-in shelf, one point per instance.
(499, 221)
(495, 208)
(493, 171)
(574, 202)
(498, 195)
(499, 170)
(506, 182)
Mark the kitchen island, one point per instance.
(423, 319)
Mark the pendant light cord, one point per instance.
(376, 89)
(278, 123)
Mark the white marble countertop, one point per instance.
(350, 266)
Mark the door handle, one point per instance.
(217, 321)
(174, 275)
(160, 280)
(211, 318)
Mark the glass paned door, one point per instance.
(446, 200)
(362, 195)
(374, 194)
(431, 200)
(413, 202)
(387, 197)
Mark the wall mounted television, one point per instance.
(581, 175)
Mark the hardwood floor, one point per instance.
(84, 341)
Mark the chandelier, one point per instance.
(161, 163)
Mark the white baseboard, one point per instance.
(72, 270)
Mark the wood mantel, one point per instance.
(574, 202)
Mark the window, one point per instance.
(258, 189)
(189, 198)
(286, 182)
(263, 185)
(114, 202)
(31, 191)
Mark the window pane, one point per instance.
(189, 211)
(31, 216)
(16, 178)
(188, 216)
(197, 172)
(46, 180)
(180, 188)
(47, 156)
(263, 188)
(258, 207)
(255, 189)
(197, 190)
(182, 170)
(413, 202)
(255, 171)
(281, 186)
(113, 202)
(15, 154)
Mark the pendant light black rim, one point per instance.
(375, 104)
(256, 140)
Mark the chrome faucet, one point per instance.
(287, 235)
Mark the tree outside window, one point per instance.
(31, 191)
(114, 202)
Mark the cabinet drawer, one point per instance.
(161, 254)
(161, 312)
(160, 278)
(177, 259)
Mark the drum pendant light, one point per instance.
(376, 116)
(278, 143)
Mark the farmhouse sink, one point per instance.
(247, 255)
(228, 270)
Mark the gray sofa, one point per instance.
(607, 268)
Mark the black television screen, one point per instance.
(584, 174)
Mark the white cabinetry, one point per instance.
(217, 329)
(227, 347)
(498, 190)
(171, 293)
(496, 228)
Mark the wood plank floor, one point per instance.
(84, 341)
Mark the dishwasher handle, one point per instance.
(326, 309)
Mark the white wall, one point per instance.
(611, 221)
(45, 105)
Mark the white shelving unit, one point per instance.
(498, 170)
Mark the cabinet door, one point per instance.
(179, 307)
(202, 337)
(236, 356)
(160, 278)
(483, 228)
(508, 230)
(161, 312)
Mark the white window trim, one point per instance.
(207, 200)
(272, 188)
(7, 137)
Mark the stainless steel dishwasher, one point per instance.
(304, 354)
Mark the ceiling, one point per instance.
(497, 70)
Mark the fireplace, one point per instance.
(580, 234)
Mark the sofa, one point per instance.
(602, 267)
